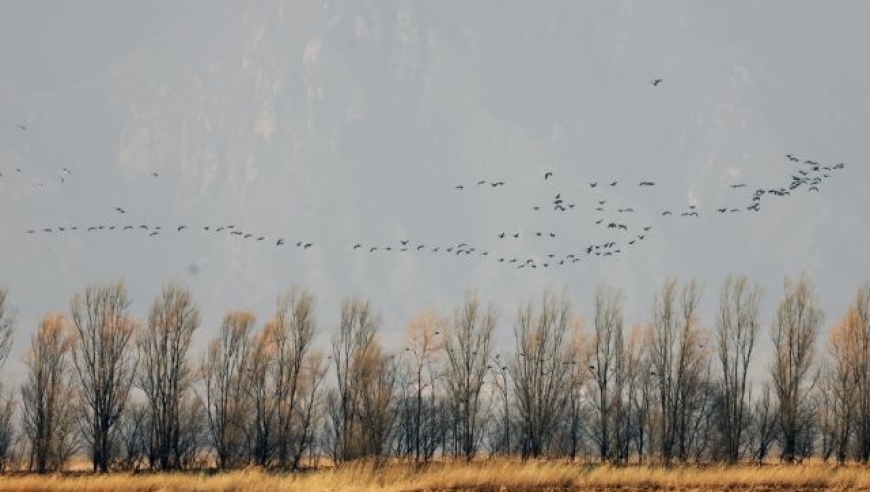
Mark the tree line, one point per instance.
(129, 394)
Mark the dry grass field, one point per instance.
(489, 476)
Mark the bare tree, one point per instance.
(501, 384)
(105, 363)
(423, 342)
(193, 430)
(640, 377)
(606, 368)
(133, 437)
(355, 337)
(306, 404)
(7, 325)
(795, 329)
(225, 373)
(290, 335)
(7, 406)
(540, 370)
(574, 428)
(764, 424)
(375, 376)
(678, 357)
(858, 322)
(165, 375)
(467, 346)
(47, 396)
(737, 323)
(839, 389)
(261, 388)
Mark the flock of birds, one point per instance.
(808, 175)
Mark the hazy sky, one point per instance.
(353, 122)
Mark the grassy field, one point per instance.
(489, 476)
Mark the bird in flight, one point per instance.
(548, 175)
(280, 242)
(656, 82)
(739, 185)
(647, 183)
(357, 246)
(460, 187)
(154, 174)
(120, 210)
(593, 184)
(307, 245)
(613, 183)
(22, 126)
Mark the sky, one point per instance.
(341, 123)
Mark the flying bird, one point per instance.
(548, 175)
(120, 210)
(656, 82)
(280, 242)
(613, 183)
(357, 246)
(307, 245)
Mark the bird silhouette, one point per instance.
(307, 245)
(517, 235)
(372, 249)
(460, 187)
(120, 210)
(656, 82)
(22, 126)
(280, 242)
(593, 184)
(154, 174)
(548, 175)
(357, 246)
(613, 183)
(482, 181)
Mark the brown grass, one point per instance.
(495, 476)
